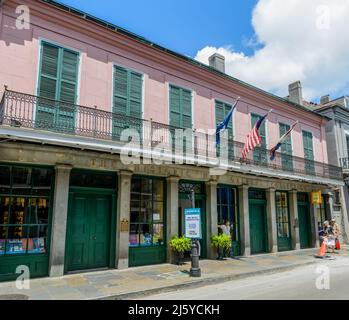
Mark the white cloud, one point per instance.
(301, 40)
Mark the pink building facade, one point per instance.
(100, 48)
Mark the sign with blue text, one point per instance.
(192, 223)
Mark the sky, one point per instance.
(267, 43)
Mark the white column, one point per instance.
(59, 220)
(244, 217)
(171, 213)
(212, 219)
(294, 221)
(271, 221)
(123, 215)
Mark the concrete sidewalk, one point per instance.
(132, 282)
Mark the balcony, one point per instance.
(24, 116)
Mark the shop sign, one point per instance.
(316, 197)
(192, 223)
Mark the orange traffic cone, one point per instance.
(323, 249)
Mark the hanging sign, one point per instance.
(192, 223)
(315, 197)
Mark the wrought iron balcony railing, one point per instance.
(24, 110)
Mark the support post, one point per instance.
(123, 217)
(59, 220)
(244, 216)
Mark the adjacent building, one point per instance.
(71, 84)
(337, 136)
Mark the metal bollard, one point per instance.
(195, 270)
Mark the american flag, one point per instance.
(253, 138)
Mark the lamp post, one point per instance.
(195, 270)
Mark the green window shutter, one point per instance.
(136, 81)
(120, 91)
(308, 145)
(260, 154)
(49, 72)
(68, 84)
(186, 109)
(180, 107)
(58, 81)
(222, 110)
(127, 92)
(262, 132)
(286, 147)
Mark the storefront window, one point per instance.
(147, 212)
(24, 210)
(282, 215)
(227, 208)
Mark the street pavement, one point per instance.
(155, 279)
(326, 280)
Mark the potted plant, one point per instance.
(179, 245)
(221, 242)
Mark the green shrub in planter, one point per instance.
(179, 245)
(221, 242)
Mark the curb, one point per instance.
(203, 282)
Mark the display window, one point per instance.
(24, 210)
(227, 209)
(146, 212)
(282, 214)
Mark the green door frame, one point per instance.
(265, 220)
(305, 205)
(113, 223)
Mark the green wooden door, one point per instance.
(257, 226)
(304, 225)
(88, 234)
(58, 79)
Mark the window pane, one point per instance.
(37, 239)
(158, 234)
(17, 240)
(146, 212)
(19, 210)
(134, 236)
(4, 210)
(145, 238)
(2, 245)
(5, 180)
(135, 210)
(158, 189)
(21, 183)
(42, 181)
(146, 186)
(158, 213)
